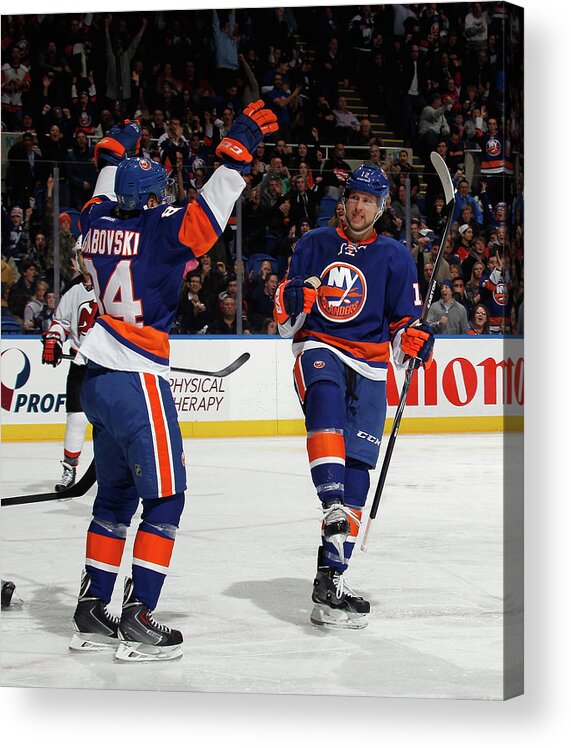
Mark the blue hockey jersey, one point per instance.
(137, 264)
(369, 292)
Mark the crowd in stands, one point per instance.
(445, 77)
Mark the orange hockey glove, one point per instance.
(417, 342)
(237, 148)
(294, 297)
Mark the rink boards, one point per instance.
(474, 384)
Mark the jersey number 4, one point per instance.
(118, 297)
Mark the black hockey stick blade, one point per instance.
(230, 369)
(80, 488)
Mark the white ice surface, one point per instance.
(241, 574)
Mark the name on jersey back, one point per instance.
(117, 242)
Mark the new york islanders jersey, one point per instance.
(137, 264)
(75, 314)
(496, 156)
(369, 292)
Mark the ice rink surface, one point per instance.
(242, 571)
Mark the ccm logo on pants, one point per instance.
(369, 438)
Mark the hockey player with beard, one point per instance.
(74, 316)
(135, 247)
(350, 295)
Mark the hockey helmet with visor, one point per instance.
(137, 179)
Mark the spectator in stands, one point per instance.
(157, 126)
(32, 322)
(119, 56)
(54, 151)
(331, 71)
(459, 292)
(41, 254)
(346, 125)
(336, 169)
(476, 29)
(262, 300)
(429, 257)
(338, 217)
(172, 141)
(18, 239)
(413, 86)
(23, 290)
(226, 323)
(463, 197)
(304, 203)
(16, 81)
(399, 205)
(432, 125)
(226, 47)
(24, 169)
(436, 216)
(473, 291)
(464, 242)
(269, 327)
(478, 253)
(447, 316)
(284, 102)
(195, 309)
(81, 172)
(479, 321)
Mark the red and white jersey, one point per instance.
(12, 100)
(369, 292)
(137, 264)
(75, 314)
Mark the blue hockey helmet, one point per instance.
(138, 178)
(369, 179)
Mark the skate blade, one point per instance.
(92, 643)
(140, 652)
(323, 615)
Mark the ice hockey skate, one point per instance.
(95, 628)
(67, 479)
(8, 597)
(335, 603)
(336, 526)
(142, 639)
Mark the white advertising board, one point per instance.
(475, 383)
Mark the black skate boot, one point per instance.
(67, 479)
(7, 592)
(95, 628)
(335, 603)
(142, 639)
(335, 527)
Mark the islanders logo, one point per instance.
(493, 147)
(501, 294)
(343, 292)
(145, 164)
(19, 365)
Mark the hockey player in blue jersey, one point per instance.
(135, 247)
(350, 295)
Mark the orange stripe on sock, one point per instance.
(353, 524)
(325, 444)
(153, 548)
(104, 549)
(161, 435)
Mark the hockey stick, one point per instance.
(78, 489)
(89, 478)
(444, 175)
(230, 369)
